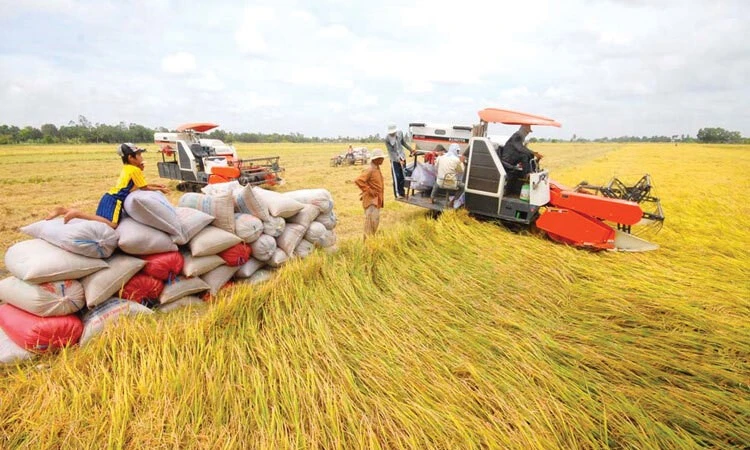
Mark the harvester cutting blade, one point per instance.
(626, 242)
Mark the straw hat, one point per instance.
(392, 129)
(376, 154)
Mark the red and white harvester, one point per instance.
(590, 216)
(196, 161)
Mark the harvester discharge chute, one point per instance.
(580, 216)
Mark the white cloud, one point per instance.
(178, 63)
(248, 36)
(359, 98)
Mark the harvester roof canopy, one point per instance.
(199, 127)
(494, 115)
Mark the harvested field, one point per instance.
(447, 333)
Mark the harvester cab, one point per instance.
(196, 161)
(582, 217)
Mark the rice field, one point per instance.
(448, 333)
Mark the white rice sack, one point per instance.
(218, 277)
(328, 239)
(192, 221)
(293, 233)
(152, 208)
(260, 276)
(190, 301)
(37, 261)
(10, 352)
(221, 207)
(304, 248)
(83, 237)
(56, 298)
(278, 205)
(320, 198)
(264, 247)
(247, 227)
(278, 258)
(249, 268)
(220, 188)
(305, 216)
(101, 285)
(328, 220)
(212, 240)
(274, 226)
(95, 320)
(198, 265)
(245, 201)
(182, 287)
(139, 239)
(315, 232)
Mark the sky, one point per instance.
(349, 68)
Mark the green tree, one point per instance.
(718, 135)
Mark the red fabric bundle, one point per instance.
(39, 334)
(236, 255)
(164, 266)
(142, 288)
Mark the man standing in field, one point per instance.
(370, 182)
(394, 142)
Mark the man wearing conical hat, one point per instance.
(370, 183)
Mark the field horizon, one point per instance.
(437, 333)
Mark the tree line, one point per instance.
(83, 132)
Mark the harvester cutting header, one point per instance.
(197, 161)
(497, 187)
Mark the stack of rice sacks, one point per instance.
(73, 279)
(271, 227)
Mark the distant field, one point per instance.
(447, 333)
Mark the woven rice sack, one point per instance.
(101, 285)
(139, 239)
(97, 319)
(37, 261)
(221, 188)
(39, 334)
(305, 216)
(142, 288)
(10, 352)
(191, 221)
(198, 265)
(82, 237)
(164, 266)
(246, 270)
(278, 258)
(328, 220)
(293, 233)
(320, 198)
(328, 239)
(264, 247)
(304, 248)
(260, 276)
(245, 201)
(56, 298)
(152, 208)
(315, 232)
(190, 301)
(212, 240)
(218, 277)
(274, 226)
(278, 205)
(182, 287)
(221, 207)
(247, 227)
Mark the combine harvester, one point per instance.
(196, 161)
(580, 216)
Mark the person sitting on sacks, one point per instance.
(110, 205)
(449, 167)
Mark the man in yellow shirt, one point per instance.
(110, 205)
(370, 182)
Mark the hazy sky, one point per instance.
(336, 67)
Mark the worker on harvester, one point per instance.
(517, 154)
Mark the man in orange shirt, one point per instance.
(370, 182)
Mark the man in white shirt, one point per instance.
(448, 166)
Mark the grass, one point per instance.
(447, 333)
